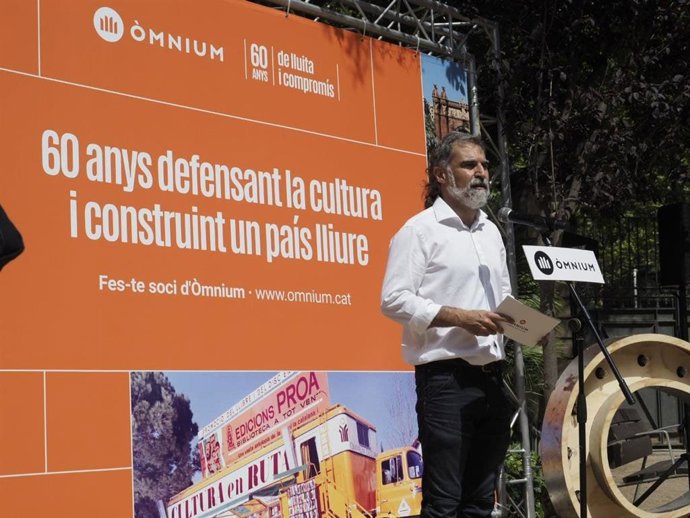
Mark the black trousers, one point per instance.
(464, 413)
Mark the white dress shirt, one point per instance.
(436, 260)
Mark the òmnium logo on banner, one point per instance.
(544, 263)
(108, 24)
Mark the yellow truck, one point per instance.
(326, 466)
(399, 482)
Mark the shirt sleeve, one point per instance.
(404, 274)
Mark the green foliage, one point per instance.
(534, 379)
(514, 470)
(597, 110)
(162, 429)
(597, 101)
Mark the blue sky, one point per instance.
(436, 71)
(369, 394)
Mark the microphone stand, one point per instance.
(581, 396)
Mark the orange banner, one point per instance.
(152, 220)
(198, 189)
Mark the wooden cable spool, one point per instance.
(647, 360)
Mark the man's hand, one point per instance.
(479, 322)
(483, 323)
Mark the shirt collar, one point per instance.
(444, 212)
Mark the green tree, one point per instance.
(162, 430)
(597, 108)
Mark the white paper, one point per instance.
(530, 325)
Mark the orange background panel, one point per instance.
(77, 495)
(19, 35)
(21, 422)
(88, 421)
(399, 105)
(52, 291)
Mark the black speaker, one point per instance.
(674, 244)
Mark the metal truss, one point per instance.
(438, 29)
(425, 25)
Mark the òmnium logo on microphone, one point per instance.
(110, 26)
(544, 263)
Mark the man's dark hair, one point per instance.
(439, 157)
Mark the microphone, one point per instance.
(541, 223)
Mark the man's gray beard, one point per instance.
(469, 197)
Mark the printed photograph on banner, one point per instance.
(445, 98)
(274, 444)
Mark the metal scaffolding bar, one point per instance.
(444, 45)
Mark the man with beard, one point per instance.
(446, 274)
